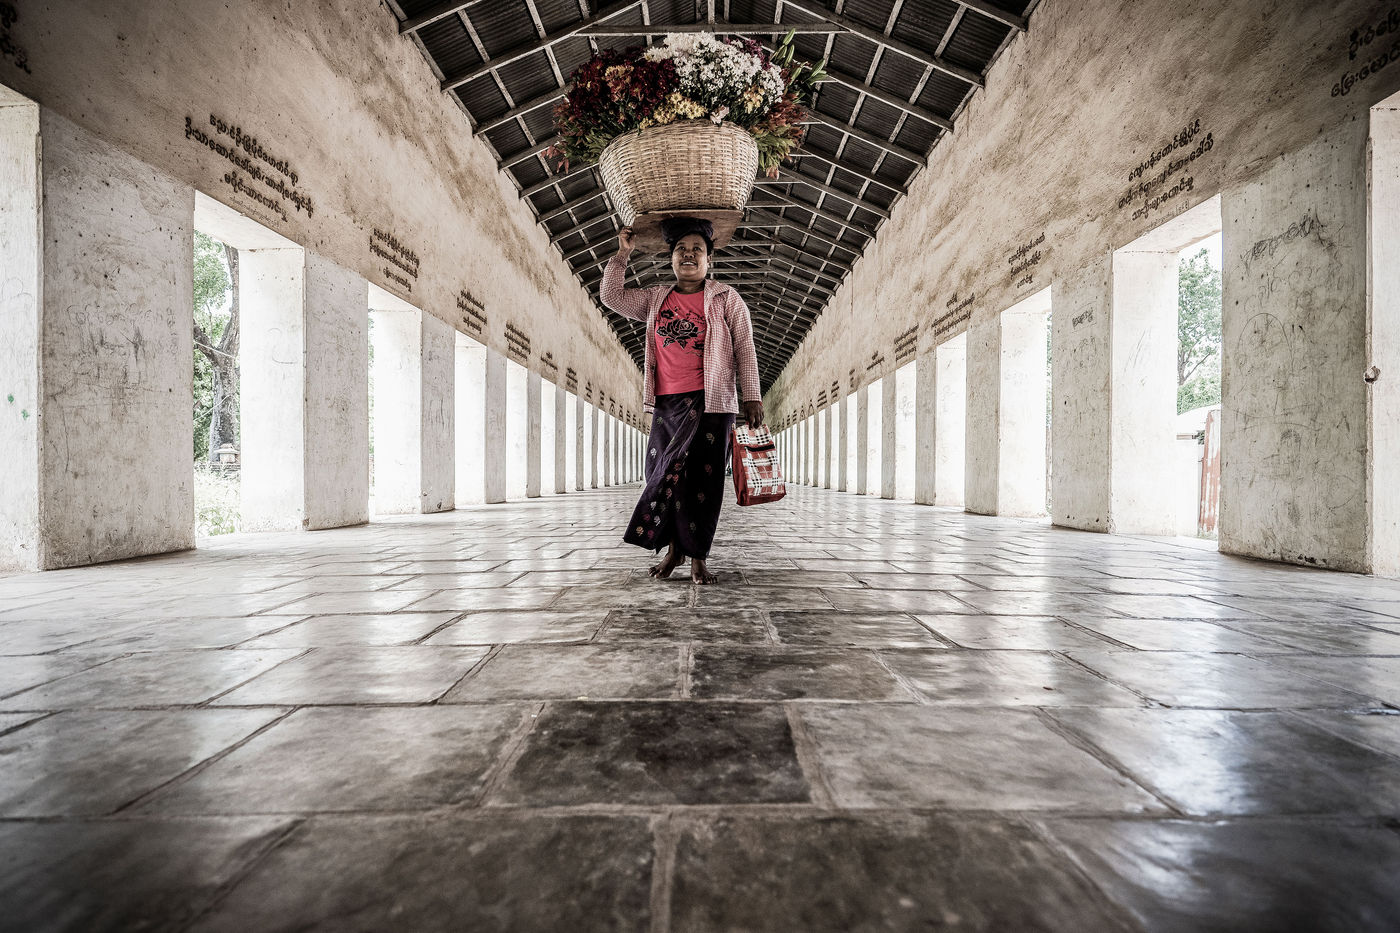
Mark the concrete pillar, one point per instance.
(875, 438)
(414, 366)
(809, 450)
(580, 429)
(565, 449)
(925, 429)
(96, 283)
(841, 421)
(496, 449)
(595, 456)
(534, 426)
(1080, 385)
(1383, 342)
(304, 391)
(850, 441)
(905, 380)
(1006, 391)
(861, 442)
(1293, 475)
(470, 421)
(606, 430)
(947, 366)
(889, 415)
(517, 431)
(826, 447)
(983, 414)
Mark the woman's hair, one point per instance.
(674, 228)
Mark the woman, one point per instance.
(698, 338)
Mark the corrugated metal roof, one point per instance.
(923, 57)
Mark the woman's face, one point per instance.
(690, 259)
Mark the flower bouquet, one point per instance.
(684, 126)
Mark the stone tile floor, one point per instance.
(888, 717)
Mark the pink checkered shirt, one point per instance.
(728, 337)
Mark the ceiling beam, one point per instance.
(820, 157)
(808, 232)
(434, 13)
(553, 180)
(804, 259)
(728, 29)
(837, 76)
(1013, 20)
(570, 205)
(879, 142)
(528, 153)
(872, 34)
(788, 176)
(830, 217)
(534, 103)
(468, 75)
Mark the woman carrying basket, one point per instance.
(699, 343)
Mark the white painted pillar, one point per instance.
(1293, 474)
(304, 392)
(841, 427)
(470, 420)
(548, 438)
(1080, 386)
(533, 430)
(850, 443)
(580, 429)
(889, 417)
(827, 446)
(517, 430)
(414, 363)
(594, 455)
(96, 269)
(925, 429)
(906, 380)
(875, 440)
(983, 414)
(1383, 342)
(949, 365)
(861, 443)
(566, 443)
(496, 449)
(1007, 384)
(607, 432)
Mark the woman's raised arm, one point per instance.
(628, 302)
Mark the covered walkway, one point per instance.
(888, 717)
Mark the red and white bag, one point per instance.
(757, 476)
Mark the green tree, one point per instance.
(216, 335)
(1198, 333)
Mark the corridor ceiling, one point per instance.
(901, 72)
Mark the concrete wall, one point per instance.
(1046, 160)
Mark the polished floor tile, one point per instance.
(92, 763)
(884, 717)
(728, 673)
(485, 872)
(912, 872)
(893, 755)
(1219, 763)
(659, 754)
(1231, 876)
(147, 874)
(340, 759)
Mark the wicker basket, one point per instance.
(693, 165)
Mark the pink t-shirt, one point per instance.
(680, 344)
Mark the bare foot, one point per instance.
(700, 574)
(663, 570)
